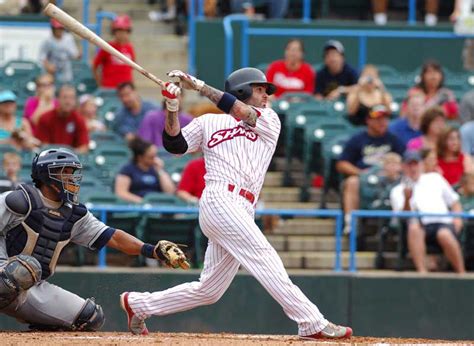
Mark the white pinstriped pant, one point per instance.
(227, 219)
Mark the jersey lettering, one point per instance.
(227, 134)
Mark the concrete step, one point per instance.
(318, 227)
(281, 194)
(290, 205)
(315, 243)
(324, 260)
(277, 241)
(273, 179)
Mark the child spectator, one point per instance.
(432, 125)
(11, 168)
(368, 92)
(88, 109)
(129, 117)
(452, 161)
(336, 77)
(430, 161)
(192, 182)
(144, 174)
(114, 71)
(64, 125)
(292, 74)
(44, 100)
(431, 85)
(57, 53)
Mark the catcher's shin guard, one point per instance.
(91, 317)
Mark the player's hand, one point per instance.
(171, 254)
(188, 81)
(170, 92)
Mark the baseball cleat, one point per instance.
(331, 331)
(136, 325)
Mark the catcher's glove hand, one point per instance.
(171, 254)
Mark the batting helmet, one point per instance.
(50, 168)
(122, 22)
(239, 83)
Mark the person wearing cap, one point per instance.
(114, 71)
(57, 52)
(13, 130)
(428, 193)
(364, 150)
(336, 78)
(63, 124)
(88, 109)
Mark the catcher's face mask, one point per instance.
(67, 178)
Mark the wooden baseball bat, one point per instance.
(81, 30)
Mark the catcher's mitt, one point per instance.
(171, 254)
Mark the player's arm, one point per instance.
(225, 101)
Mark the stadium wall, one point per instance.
(435, 307)
(404, 54)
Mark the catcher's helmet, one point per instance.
(49, 168)
(239, 83)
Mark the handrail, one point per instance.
(103, 209)
(361, 34)
(356, 214)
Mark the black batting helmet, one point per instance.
(239, 83)
(48, 168)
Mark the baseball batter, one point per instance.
(36, 223)
(237, 147)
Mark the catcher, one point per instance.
(36, 223)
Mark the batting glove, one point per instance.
(188, 81)
(171, 93)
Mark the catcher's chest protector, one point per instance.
(44, 232)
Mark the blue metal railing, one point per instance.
(356, 214)
(362, 35)
(102, 210)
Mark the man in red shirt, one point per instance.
(292, 74)
(192, 181)
(114, 71)
(63, 125)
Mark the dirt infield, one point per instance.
(29, 338)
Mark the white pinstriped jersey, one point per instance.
(235, 152)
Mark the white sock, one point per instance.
(380, 18)
(431, 19)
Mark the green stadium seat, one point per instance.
(163, 199)
(20, 69)
(108, 159)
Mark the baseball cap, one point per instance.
(378, 111)
(84, 98)
(412, 156)
(122, 22)
(334, 44)
(56, 24)
(7, 96)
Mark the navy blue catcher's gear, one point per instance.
(239, 83)
(60, 169)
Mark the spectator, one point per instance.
(114, 71)
(452, 161)
(431, 85)
(42, 102)
(14, 130)
(368, 92)
(466, 108)
(63, 124)
(365, 149)
(292, 74)
(143, 175)
(170, 14)
(192, 181)
(11, 168)
(408, 127)
(428, 193)
(129, 117)
(151, 128)
(57, 53)
(467, 137)
(379, 8)
(432, 125)
(336, 77)
(276, 8)
(88, 109)
(467, 192)
(430, 161)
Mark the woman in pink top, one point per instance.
(431, 86)
(43, 102)
(432, 125)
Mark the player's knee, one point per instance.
(19, 273)
(91, 317)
